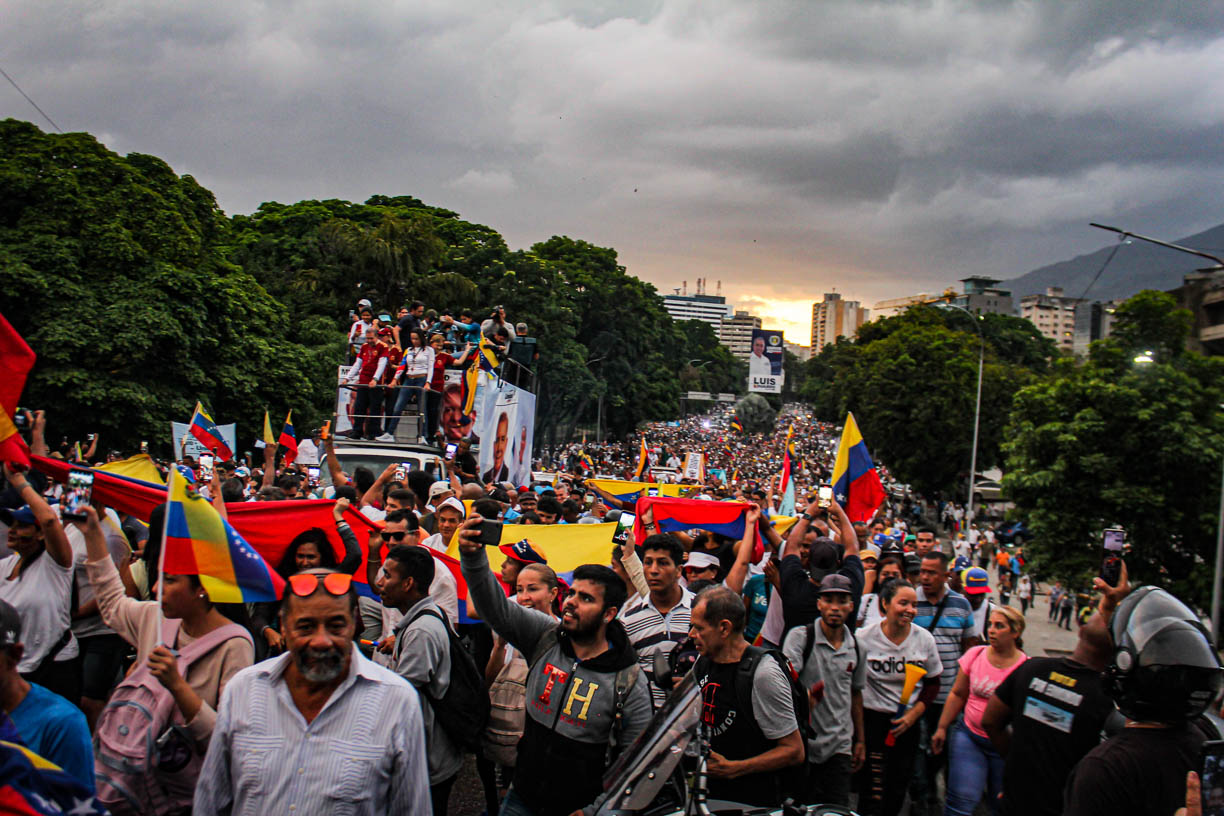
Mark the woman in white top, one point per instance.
(37, 581)
(413, 373)
(871, 611)
(1024, 591)
(536, 587)
(889, 719)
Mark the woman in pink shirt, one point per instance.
(973, 763)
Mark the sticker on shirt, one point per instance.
(1071, 698)
(1050, 715)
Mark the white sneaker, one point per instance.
(385, 438)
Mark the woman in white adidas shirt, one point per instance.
(890, 725)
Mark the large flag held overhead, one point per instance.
(643, 459)
(630, 491)
(723, 518)
(16, 360)
(139, 466)
(199, 542)
(856, 485)
(288, 438)
(204, 429)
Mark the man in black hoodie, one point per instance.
(586, 696)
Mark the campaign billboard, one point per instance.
(765, 362)
(505, 423)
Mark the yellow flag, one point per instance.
(268, 438)
(567, 545)
(137, 467)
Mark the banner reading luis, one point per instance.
(765, 362)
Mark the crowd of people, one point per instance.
(838, 662)
(401, 362)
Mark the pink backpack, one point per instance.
(144, 759)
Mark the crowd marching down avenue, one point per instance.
(474, 625)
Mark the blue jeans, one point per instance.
(514, 806)
(973, 766)
(405, 396)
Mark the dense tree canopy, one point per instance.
(140, 296)
(1111, 441)
(911, 381)
(112, 269)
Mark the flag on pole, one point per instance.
(16, 360)
(471, 379)
(204, 429)
(856, 485)
(289, 439)
(268, 438)
(199, 542)
(643, 458)
(787, 463)
(77, 456)
(487, 355)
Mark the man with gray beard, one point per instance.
(309, 731)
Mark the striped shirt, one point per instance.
(954, 625)
(363, 754)
(650, 631)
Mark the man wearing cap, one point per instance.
(49, 725)
(833, 672)
(659, 622)
(448, 515)
(976, 583)
(438, 492)
(800, 586)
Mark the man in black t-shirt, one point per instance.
(1056, 707)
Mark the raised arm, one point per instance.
(333, 466)
(743, 553)
(269, 476)
(38, 434)
(520, 626)
(375, 491)
(352, 551)
(53, 532)
(845, 529)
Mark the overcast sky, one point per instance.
(786, 149)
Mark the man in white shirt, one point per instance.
(758, 364)
(309, 731)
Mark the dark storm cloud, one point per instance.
(784, 147)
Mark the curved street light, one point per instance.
(977, 410)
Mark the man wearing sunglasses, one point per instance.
(586, 697)
(400, 527)
(309, 731)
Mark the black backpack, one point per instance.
(463, 710)
(743, 686)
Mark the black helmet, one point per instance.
(1164, 668)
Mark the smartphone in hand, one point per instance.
(1111, 564)
(824, 496)
(1211, 777)
(490, 533)
(78, 495)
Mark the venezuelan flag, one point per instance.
(723, 518)
(470, 382)
(268, 438)
(16, 360)
(199, 542)
(736, 425)
(856, 485)
(631, 491)
(204, 429)
(643, 459)
(32, 784)
(486, 355)
(288, 439)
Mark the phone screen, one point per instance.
(1211, 775)
(824, 495)
(451, 447)
(313, 473)
(401, 472)
(78, 494)
(1111, 565)
(144, 447)
(206, 467)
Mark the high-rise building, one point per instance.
(706, 308)
(1203, 294)
(833, 318)
(1053, 314)
(736, 333)
(895, 306)
(1093, 321)
(981, 296)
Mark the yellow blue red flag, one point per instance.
(856, 485)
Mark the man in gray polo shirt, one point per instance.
(422, 656)
(833, 672)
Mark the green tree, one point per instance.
(756, 414)
(112, 268)
(1109, 442)
(1151, 321)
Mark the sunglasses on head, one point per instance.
(304, 584)
(397, 536)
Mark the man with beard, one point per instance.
(308, 732)
(586, 697)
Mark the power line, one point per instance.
(1112, 253)
(31, 101)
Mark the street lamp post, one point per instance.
(977, 410)
(1219, 565)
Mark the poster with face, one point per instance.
(505, 420)
(765, 362)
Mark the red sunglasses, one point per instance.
(304, 584)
